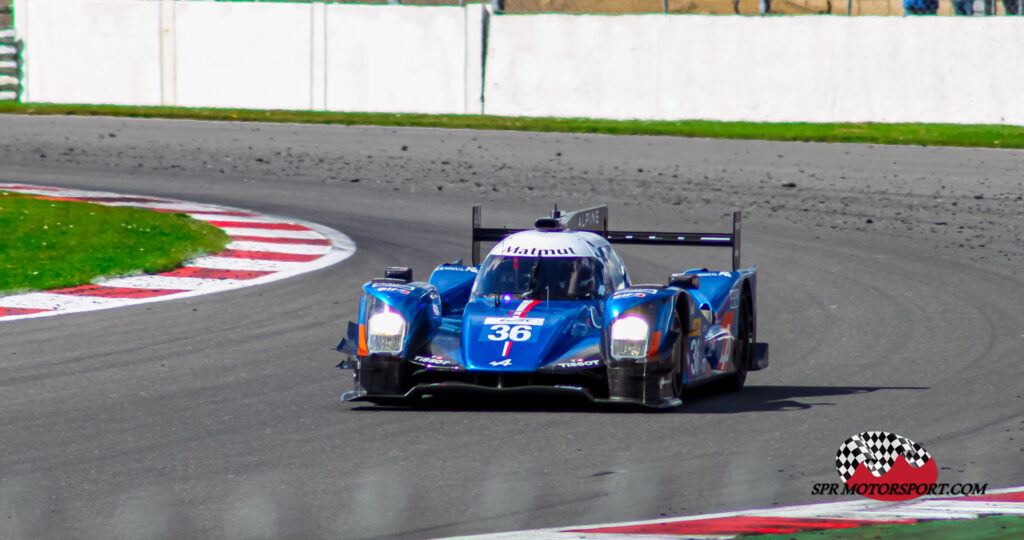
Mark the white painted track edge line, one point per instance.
(560, 534)
(53, 301)
(855, 509)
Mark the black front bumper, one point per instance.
(388, 379)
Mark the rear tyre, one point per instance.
(743, 349)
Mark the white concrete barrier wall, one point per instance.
(428, 59)
(477, 17)
(775, 69)
(396, 58)
(311, 56)
(242, 55)
(253, 55)
(81, 51)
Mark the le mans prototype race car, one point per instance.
(551, 310)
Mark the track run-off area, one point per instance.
(890, 280)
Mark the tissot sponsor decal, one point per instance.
(579, 363)
(888, 467)
(434, 360)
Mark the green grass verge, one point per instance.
(986, 528)
(50, 244)
(990, 136)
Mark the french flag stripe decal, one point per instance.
(524, 307)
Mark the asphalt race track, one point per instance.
(890, 292)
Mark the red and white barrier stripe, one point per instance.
(263, 249)
(789, 520)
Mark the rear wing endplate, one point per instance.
(595, 220)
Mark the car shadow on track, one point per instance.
(773, 398)
(706, 400)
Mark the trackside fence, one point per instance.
(10, 66)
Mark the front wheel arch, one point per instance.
(743, 344)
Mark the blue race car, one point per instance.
(551, 310)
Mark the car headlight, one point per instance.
(629, 337)
(385, 330)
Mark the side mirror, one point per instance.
(403, 273)
(685, 281)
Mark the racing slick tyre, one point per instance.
(743, 349)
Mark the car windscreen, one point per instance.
(542, 278)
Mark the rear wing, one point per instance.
(595, 220)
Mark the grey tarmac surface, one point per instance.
(890, 292)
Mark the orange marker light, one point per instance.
(652, 349)
(362, 350)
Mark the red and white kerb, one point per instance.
(262, 249)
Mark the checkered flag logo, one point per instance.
(878, 450)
